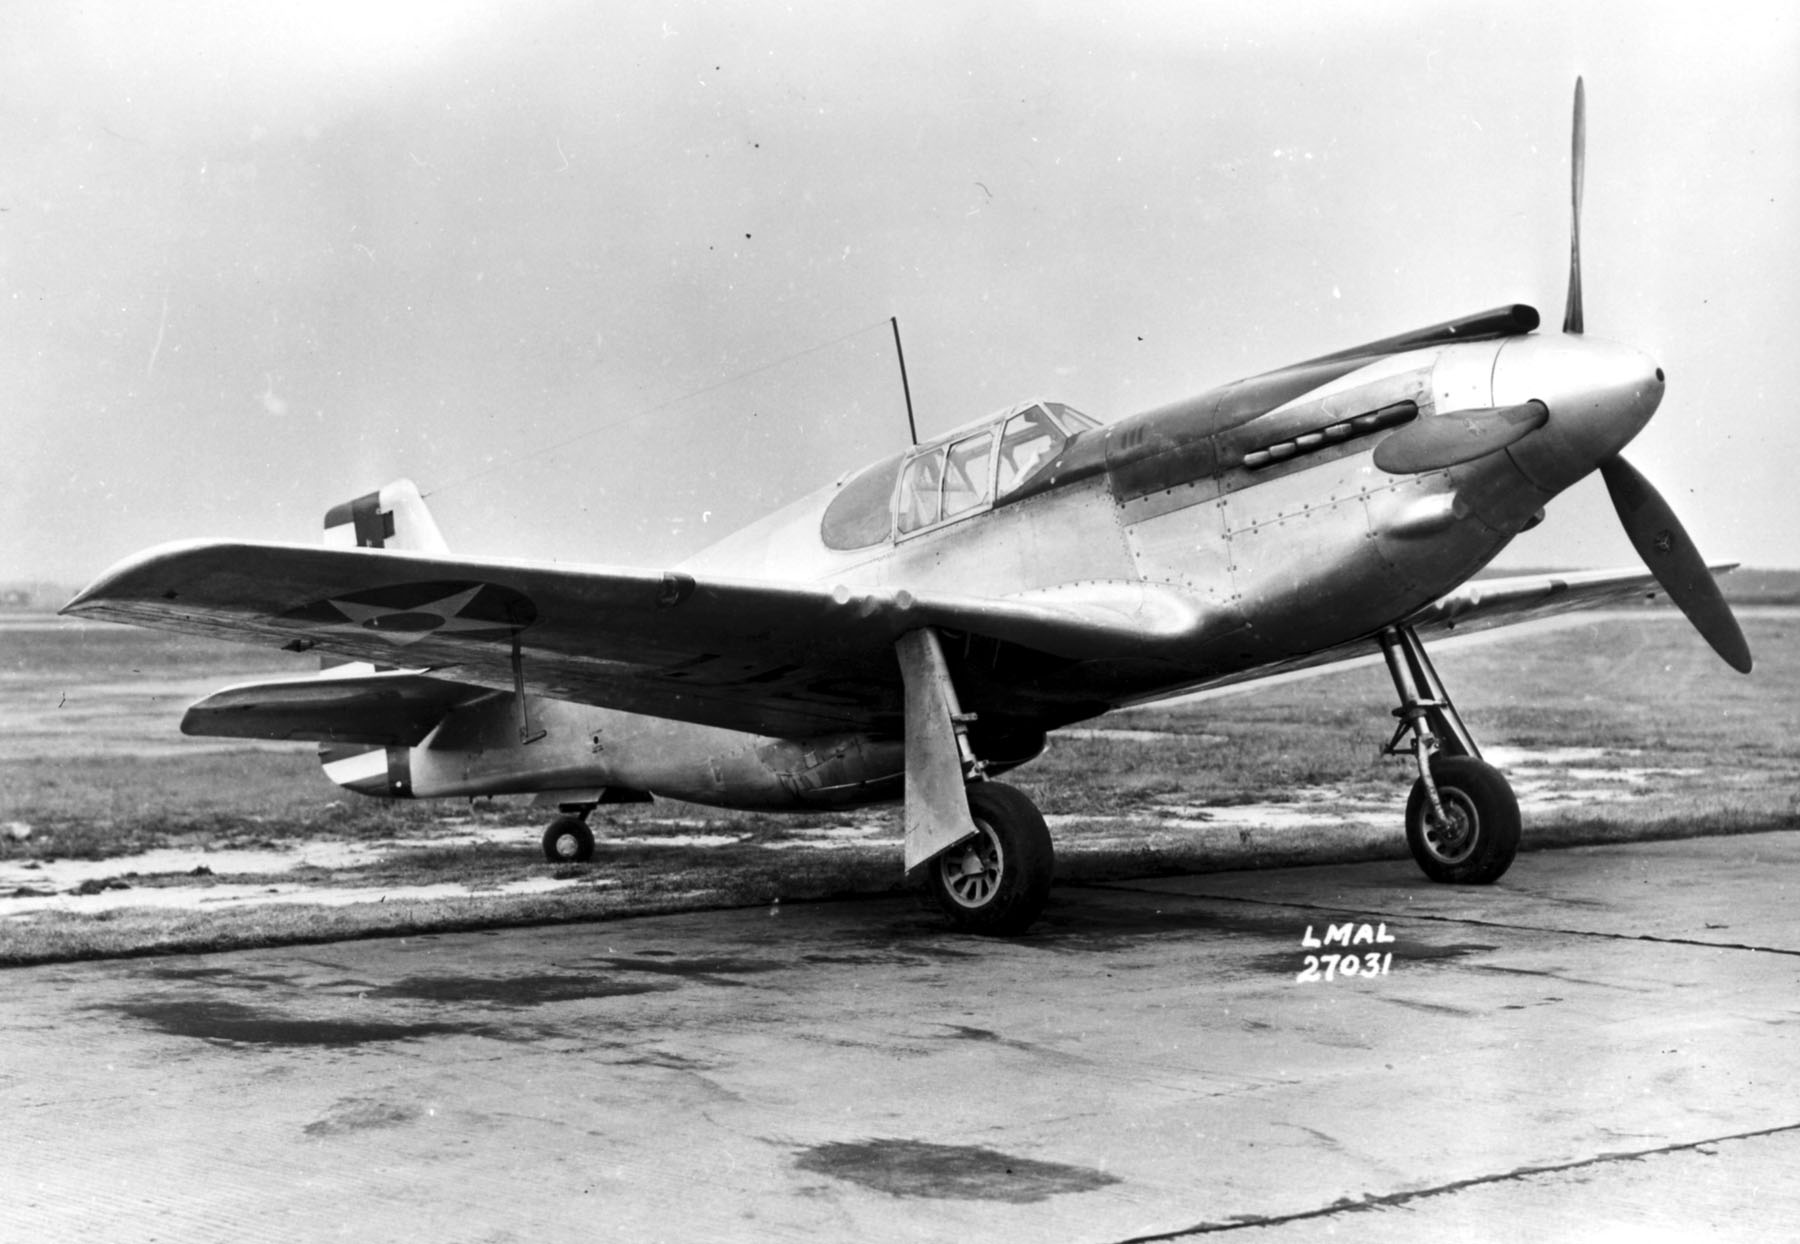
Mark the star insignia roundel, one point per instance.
(405, 613)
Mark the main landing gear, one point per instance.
(982, 846)
(1462, 819)
(998, 881)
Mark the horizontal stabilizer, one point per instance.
(392, 708)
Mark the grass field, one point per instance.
(1615, 726)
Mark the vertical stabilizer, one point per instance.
(393, 518)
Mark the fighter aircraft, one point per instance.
(918, 627)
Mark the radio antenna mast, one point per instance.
(906, 388)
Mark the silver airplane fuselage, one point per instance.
(1260, 503)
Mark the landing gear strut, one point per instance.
(983, 846)
(1462, 819)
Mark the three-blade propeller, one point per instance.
(1456, 437)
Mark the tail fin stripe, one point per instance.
(371, 527)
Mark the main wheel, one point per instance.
(568, 841)
(997, 882)
(1479, 835)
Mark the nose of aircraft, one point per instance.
(1599, 395)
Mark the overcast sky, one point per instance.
(258, 259)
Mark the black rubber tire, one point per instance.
(1479, 846)
(568, 841)
(997, 882)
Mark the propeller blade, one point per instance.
(1438, 441)
(1572, 321)
(1662, 542)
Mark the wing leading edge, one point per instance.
(1478, 605)
(791, 660)
(780, 659)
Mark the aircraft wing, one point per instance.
(1484, 603)
(1478, 605)
(783, 659)
(792, 660)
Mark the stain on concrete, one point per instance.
(511, 992)
(1429, 1008)
(887, 1045)
(233, 1023)
(666, 1060)
(223, 976)
(985, 1036)
(903, 944)
(1558, 975)
(719, 970)
(1425, 952)
(188, 973)
(1324, 1138)
(916, 1168)
(1130, 921)
(361, 1114)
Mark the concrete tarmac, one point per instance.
(1600, 1047)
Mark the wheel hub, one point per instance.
(1452, 837)
(971, 871)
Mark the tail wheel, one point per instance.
(568, 841)
(997, 882)
(1475, 841)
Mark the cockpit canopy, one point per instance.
(964, 473)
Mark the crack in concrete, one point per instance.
(1296, 905)
(1394, 1199)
